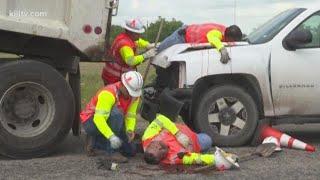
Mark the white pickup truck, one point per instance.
(273, 74)
(40, 90)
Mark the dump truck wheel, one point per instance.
(36, 109)
(228, 114)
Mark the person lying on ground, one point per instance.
(165, 142)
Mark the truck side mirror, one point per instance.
(297, 38)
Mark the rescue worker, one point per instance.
(124, 52)
(168, 143)
(110, 117)
(204, 33)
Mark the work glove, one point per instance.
(224, 55)
(150, 53)
(130, 136)
(183, 139)
(152, 45)
(115, 142)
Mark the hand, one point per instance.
(150, 53)
(115, 142)
(183, 139)
(131, 136)
(150, 46)
(224, 55)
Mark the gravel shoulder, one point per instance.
(70, 162)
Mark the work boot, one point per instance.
(117, 158)
(88, 147)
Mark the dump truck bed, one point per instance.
(81, 22)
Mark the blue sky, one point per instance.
(248, 14)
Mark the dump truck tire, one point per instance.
(228, 114)
(36, 109)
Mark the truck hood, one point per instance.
(164, 58)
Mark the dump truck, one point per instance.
(273, 75)
(40, 79)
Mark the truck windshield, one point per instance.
(271, 28)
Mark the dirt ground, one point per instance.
(70, 162)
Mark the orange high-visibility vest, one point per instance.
(197, 33)
(174, 147)
(121, 102)
(112, 71)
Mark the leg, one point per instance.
(95, 138)
(88, 147)
(116, 123)
(174, 38)
(205, 141)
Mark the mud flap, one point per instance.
(149, 110)
(74, 81)
(169, 105)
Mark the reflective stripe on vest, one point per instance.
(198, 33)
(110, 69)
(118, 67)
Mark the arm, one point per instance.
(130, 119)
(161, 122)
(142, 44)
(166, 123)
(214, 38)
(102, 112)
(129, 58)
(197, 158)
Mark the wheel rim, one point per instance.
(227, 116)
(27, 109)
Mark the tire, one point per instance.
(226, 106)
(36, 109)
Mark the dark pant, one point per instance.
(175, 38)
(116, 123)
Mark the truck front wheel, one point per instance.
(228, 114)
(36, 109)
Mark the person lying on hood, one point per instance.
(211, 33)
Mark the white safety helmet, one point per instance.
(273, 140)
(225, 160)
(133, 82)
(134, 25)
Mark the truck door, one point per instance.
(295, 74)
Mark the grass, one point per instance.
(91, 80)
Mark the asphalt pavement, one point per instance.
(70, 162)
